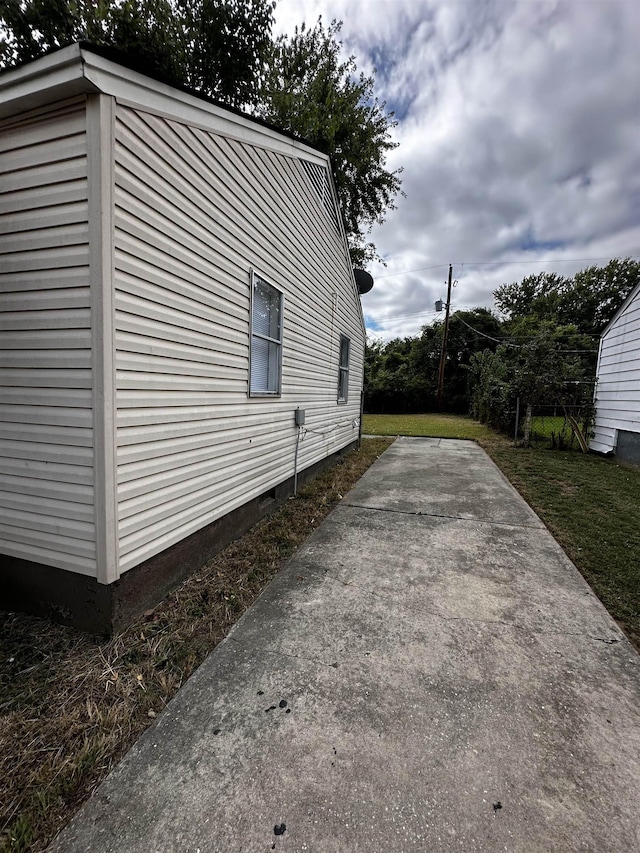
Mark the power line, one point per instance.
(484, 335)
(502, 263)
(551, 261)
(400, 316)
(411, 316)
(456, 315)
(406, 272)
(507, 342)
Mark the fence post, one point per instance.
(515, 436)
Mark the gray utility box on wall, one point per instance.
(300, 415)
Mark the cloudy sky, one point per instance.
(519, 132)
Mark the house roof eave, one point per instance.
(83, 68)
(48, 79)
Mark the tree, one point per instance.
(31, 28)
(310, 91)
(152, 31)
(224, 49)
(492, 398)
(469, 332)
(392, 383)
(227, 49)
(402, 375)
(588, 300)
(595, 294)
(535, 296)
(542, 363)
(548, 367)
(218, 47)
(553, 324)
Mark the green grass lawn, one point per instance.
(590, 504)
(433, 425)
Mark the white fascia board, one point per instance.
(136, 90)
(74, 70)
(50, 78)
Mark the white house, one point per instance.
(174, 284)
(617, 424)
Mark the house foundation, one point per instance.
(105, 609)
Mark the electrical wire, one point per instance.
(502, 263)
(504, 341)
(406, 272)
(507, 342)
(411, 316)
(551, 261)
(403, 316)
(341, 424)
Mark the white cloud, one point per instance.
(518, 130)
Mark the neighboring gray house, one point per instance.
(174, 284)
(617, 424)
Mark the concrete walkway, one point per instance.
(429, 673)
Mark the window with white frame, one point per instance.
(266, 338)
(343, 370)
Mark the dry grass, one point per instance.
(70, 706)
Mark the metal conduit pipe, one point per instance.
(295, 464)
(300, 418)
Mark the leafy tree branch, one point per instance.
(312, 92)
(225, 49)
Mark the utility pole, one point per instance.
(445, 335)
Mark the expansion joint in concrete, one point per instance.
(527, 628)
(444, 515)
(511, 625)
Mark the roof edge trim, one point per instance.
(53, 76)
(40, 80)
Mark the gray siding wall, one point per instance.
(194, 213)
(618, 388)
(46, 435)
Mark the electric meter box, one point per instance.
(300, 417)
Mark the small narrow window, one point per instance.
(343, 370)
(266, 338)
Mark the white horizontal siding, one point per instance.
(194, 213)
(23, 464)
(623, 397)
(63, 437)
(602, 441)
(46, 456)
(618, 386)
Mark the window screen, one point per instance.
(266, 337)
(343, 370)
